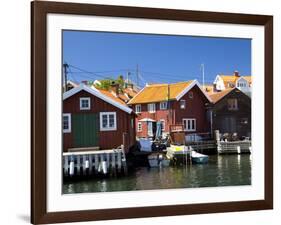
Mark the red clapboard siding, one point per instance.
(195, 108)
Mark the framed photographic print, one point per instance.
(144, 112)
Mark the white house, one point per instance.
(243, 83)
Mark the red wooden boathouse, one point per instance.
(94, 118)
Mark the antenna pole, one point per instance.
(203, 74)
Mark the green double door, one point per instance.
(85, 130)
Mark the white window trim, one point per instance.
(139, 128)
(136, 107)
(189, 119)
(183, 100)
(148, 108)
(165, 104)
(164, 124)
(69, 122)
(108, 128)
(89, 105)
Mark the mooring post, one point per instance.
(119, 163)
(107, 161)
(66, 165)
(217, 138)
(113, 166)
(96, 163)
(84, 164)
(238, 149)
(90, 164)
(71, 166)
(78, 165)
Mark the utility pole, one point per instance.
(65, 67)
(168, 105)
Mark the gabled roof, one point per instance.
(98, 93)
(161, 92)
(216, 96)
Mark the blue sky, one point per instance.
(160, 58)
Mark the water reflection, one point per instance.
(221, 170)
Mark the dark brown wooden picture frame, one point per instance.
(39, 13)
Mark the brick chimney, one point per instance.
(236, 73)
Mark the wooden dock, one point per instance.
(236, 147)
(87, 163)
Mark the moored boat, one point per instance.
(199, 158)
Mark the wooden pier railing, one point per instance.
(94, 162)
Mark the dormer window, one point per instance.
(85, 103)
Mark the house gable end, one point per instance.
(99, 95)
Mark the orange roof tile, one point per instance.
(159, 92)
(216, 96)
(112, 96)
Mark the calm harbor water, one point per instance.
(221, 170)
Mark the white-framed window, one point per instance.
(190, 94)
(139, 127)
(163, 105)
(189, 124)
(182, 104)
(108, 121)
(151, 108)
(232, 104)
(66, 123)
(138, 108)
(162, 125)
(85, 103)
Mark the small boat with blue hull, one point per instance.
(199, 158)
